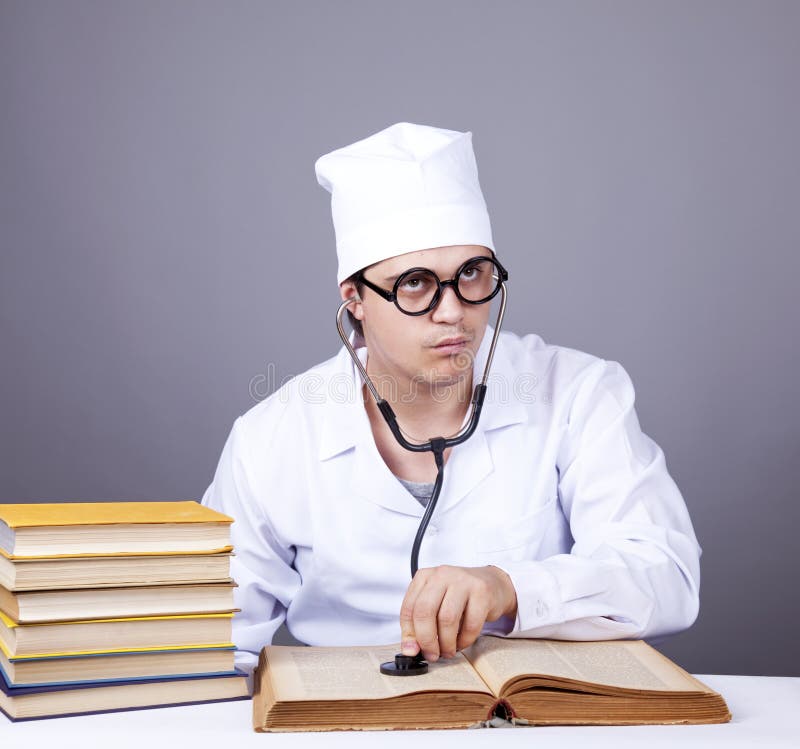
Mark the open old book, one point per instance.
(530, 681)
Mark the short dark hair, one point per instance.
(354, 323)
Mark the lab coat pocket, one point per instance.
(515, 538)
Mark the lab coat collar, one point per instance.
(346, 426)
(345, 416)
(346, 419)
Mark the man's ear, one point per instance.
(348, 290)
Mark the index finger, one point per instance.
(409, 644)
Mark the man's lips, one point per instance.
(451, 346)
(451, 342)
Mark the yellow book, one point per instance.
(82, 529)
(114, 635)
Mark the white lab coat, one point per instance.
(558, 486)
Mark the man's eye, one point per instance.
(415, 283)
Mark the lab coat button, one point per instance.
(541, 609)
(432, 530)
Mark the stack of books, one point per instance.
(114, 605)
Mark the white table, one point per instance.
(766, 714)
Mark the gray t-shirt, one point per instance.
(420, 490)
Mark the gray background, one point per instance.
(167, 256)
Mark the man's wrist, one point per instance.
(509, 592)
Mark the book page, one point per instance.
(618, 663)
(353, 673)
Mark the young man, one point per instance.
(557, 517)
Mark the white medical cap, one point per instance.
(408, 187)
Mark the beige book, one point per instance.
(30, 607)
(105, 572)
(104, 635)
(538, 682)
(28, 703)
(141, 665)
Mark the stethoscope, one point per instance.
(406, 665)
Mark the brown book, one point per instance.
(537, 682)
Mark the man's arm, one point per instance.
(633, 571)
(261, 566)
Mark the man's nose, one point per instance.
(450, 308)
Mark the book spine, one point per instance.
(502, 709)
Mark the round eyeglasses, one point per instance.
(418, 290)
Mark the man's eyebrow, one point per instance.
(392, 279)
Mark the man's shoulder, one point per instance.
(531, 353)
(574, 380)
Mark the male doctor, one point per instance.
(557, 517)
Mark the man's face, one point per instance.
(436, 348)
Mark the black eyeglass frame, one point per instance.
(392, 296)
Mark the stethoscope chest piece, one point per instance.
(405, 665)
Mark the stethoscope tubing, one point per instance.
(437, 445)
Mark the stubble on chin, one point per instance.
(443, 381)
